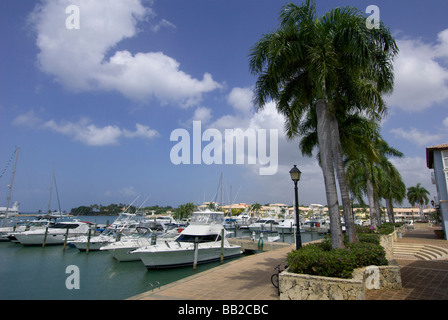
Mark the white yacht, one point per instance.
(54, 234)
(288, 226)
(121, 250)
(201, 239)
(265, 225)
(126, 224)
(39, 224)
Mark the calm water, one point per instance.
(40, 273)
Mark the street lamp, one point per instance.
(295, 176)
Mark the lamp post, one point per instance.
(295, 176)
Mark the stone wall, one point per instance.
(295, 286)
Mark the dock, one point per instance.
(247, 244)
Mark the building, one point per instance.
(437, 159)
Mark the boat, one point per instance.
(125, 225)
(54, 234)
(121, 250)
(288, 226)
(28, 226)
(264, 225)
(200, 242)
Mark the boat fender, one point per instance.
(260, 243)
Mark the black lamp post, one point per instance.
(295, 176)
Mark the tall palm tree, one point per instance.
(313, 61)
(392, 188)
(418, 195)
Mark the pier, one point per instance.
(247, 244)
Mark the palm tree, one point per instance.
(312, 61)
(392, 188)
(418, 195)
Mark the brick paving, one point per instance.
(248, 278)
(421, 279)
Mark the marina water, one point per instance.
(36, 273)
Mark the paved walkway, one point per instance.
(421, 279)
(248, 278)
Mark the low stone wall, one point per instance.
(295, 286)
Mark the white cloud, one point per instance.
(202, 114)
(84, 130)
(241, 99)
(81, 59)
(416, 136)
(421, 80)
(163, 24)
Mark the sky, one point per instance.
(107, 92)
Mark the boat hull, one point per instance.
(159, 259)
(37, 239)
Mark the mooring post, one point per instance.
(65, 240)
(222, 245)
(88, 239)
(195, 257)
(45, 237)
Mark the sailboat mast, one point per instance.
(10, 188)
(51, 189)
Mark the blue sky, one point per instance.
(100, 102)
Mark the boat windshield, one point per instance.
(200, 239)
(207, 217)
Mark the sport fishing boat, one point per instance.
(121, 250)
(125, 225)
(39, 224)
(200, 242)
(54, 234)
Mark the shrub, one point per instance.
(367, 254)
(386, 228)
(321, 260)
(313, 259)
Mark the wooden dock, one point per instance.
(247, 244)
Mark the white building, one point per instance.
(437, 159)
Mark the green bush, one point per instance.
(386, 228)
(313, 259)
(321, 260)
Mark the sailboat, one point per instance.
(5, 229)
(56, 233)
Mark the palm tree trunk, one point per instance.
(371, 198)
(342, 179)
(378, 211)
(390, 210)
(326, 157)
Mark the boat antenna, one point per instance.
(143, 203)
(51, 188)
(57, 196)
(10, 188)
(132, 203)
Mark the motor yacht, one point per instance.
(39, 224)
(121, 250)
(125, 225)
(200, 242)
(264, 225)
(288, 226)
(54, 234)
